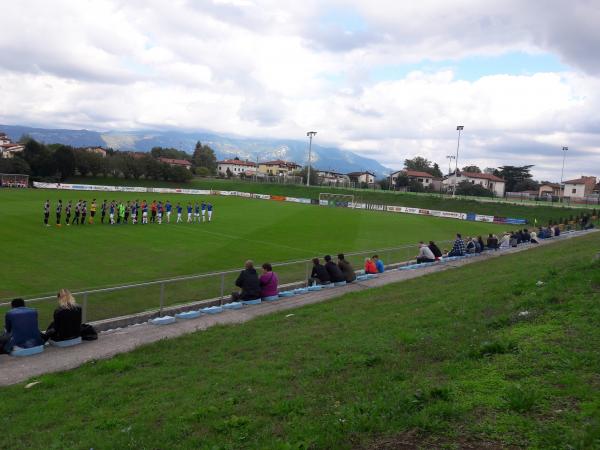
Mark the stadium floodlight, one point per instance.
(450, 158)
(459, 128)
(310, 135)
(562, 173)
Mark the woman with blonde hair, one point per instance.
(67, 318)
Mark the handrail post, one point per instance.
(162, 299)
(84, 309)
(307, 273)
(222, 287)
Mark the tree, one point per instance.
(472, 169)
(202, 172)
(513, 175)
(436, 171)
(172, 153)
(64, 161)
(152, 167)
(204, 156)
(97, 164)
(39, 159)
(418, 163)
(415, 186)
(402, 180)
(477, 190)
(14, 165)
(526, 185)
(82, 161)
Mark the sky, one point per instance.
(387, 79)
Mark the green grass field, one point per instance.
(448, 360)
(541, 213)
(38, 260)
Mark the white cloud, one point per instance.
(275, 68)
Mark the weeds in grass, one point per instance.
(520, 399)
(493, 348)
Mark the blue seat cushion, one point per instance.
(67, 343)
(316, 287)
(255, 301)
(212, 310)
(18, 351)
(188, 315)
(233, 305)
(301, 291)
(286, 294)
(362, 277)
(271, 298)
(340, 283)
(372, 275)
(328, 285)
(165, 320)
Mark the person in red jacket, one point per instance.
(370, 266)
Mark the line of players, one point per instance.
(123, 212)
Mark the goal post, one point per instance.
(14, 180)
(331, 199)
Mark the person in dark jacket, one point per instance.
(67, 319)
(346, 269)
(492, 242)
(248, 282)
(21, 328)
(435, 250)
(319, 274)
(335, 274)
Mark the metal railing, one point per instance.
(115, 301)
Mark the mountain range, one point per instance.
(226, 147)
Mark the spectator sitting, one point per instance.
(505, 241)
(268, 282)
(437, 253)
(370, 266)
(556, 231)
(21, 328)
(480, 244)
(379, 264)
(471, 247)
(67, 319)
(526, 235)
(248, 282)
(335, 274)
(514, 239)
(425, 254)
(319, 273)
(533, 238)
(459, 247)
(492, 242)
(346, 269)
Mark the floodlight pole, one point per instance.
(459, 128)
(450, 158)
(310, 135)
(562, 173)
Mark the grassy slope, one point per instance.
(529, 212)
(37, 259)
(445, 358)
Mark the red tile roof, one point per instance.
(582, 180)
(178, 162)
(238, 162)
(280, 162)
(483, 176)
(417, 173)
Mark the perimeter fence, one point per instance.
(116, 301)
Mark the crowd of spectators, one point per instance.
(21, 322)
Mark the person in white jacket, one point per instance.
(425, 254)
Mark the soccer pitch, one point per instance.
(39, 260)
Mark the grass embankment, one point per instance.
(475, 356)
(530, 212)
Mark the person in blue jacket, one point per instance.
(21, 328)
(378, 264)
(168, 208)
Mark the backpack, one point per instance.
(88, 333)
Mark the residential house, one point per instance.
(579, 188)
(4, 139)
(278, 167)
(176, 162)
(236, 167)
(10, 150)
(425, 179)
(487, 180)
(97, 150)
(549, 190)
(332, 178)
(362, 177)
